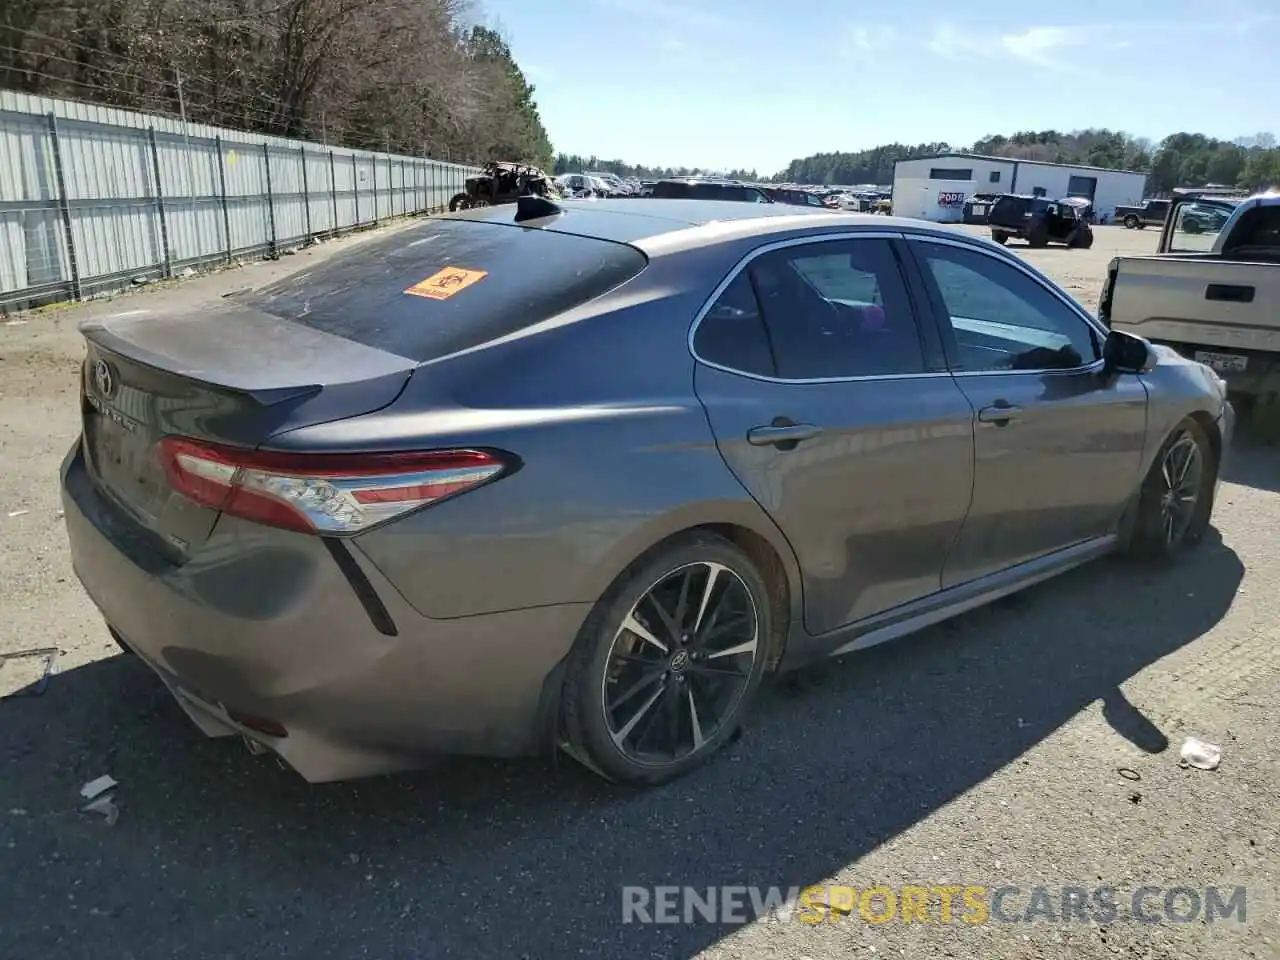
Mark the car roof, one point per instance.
(665, 226)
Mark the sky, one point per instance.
(752, 84)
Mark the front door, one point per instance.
(1057, 443)
(836, 415)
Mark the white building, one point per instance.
(936, 188)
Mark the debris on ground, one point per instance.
(15, 323)
(98, 792)
(17, 513)
(98, 786)
(26, 673)
(106, 806)
(187, 274)
(1201, 755)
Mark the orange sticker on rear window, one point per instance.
(443, 285)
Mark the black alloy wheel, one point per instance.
(1181, 476)
(1172, 509)
(666, 668)
(679, 663)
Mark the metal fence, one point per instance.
(92, 198)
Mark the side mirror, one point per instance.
(1126, 353)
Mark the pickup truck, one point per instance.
(1211, 292)
(1148, 213)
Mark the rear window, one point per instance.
(1009, 206)
(475, 281)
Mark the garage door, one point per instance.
(1082, 187)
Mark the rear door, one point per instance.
(1057, 444)
(831, 404)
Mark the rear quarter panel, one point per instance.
(615, 452)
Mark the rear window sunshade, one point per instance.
(528, 276)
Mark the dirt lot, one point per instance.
(1031, 743)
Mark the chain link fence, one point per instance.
(93, 198)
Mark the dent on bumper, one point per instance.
(232, 635)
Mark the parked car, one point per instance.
(581, 185)
(615, 185)
(1209, 294)
(1148, 213)
(693, 188)
(1038, 221)
(480, 488)
(799, 198)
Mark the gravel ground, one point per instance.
(997, 750)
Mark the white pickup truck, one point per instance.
(1212, 291)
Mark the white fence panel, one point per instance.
(92, 197)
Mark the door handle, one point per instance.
(1229, 292)
(782, 433)
(999, 413)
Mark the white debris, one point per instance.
(188, 273)
(1201, 755)
(97, 787)
(15, 323)
(105, 806)
(17, 513)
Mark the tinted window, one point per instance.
(837, 309)
(995, 176)
(1258, 228)
(950, 173)
(1002, 318)
(732, 334)
(671, 191)
(1010, 206)
(528, 276)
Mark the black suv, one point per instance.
(1039, 221)
(799, 198)
(708, 190)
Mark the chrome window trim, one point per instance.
(1017, 264)
(760, 251)
(847, 234)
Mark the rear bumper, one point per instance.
(264, 625)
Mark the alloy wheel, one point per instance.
(679, 663)
(1180, 476)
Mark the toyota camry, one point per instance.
(579, 477)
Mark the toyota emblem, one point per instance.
(105, 379)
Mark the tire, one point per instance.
(1000, 238)
(1131, 222)
(1151, 535)
(1086, 241)
(1038, 237)
(459, 201)
(618, 740)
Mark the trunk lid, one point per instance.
(230, 373)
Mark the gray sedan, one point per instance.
(532, 477)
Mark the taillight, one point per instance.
(320, 493)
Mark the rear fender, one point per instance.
(743, 515)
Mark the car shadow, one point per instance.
(223, 853)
